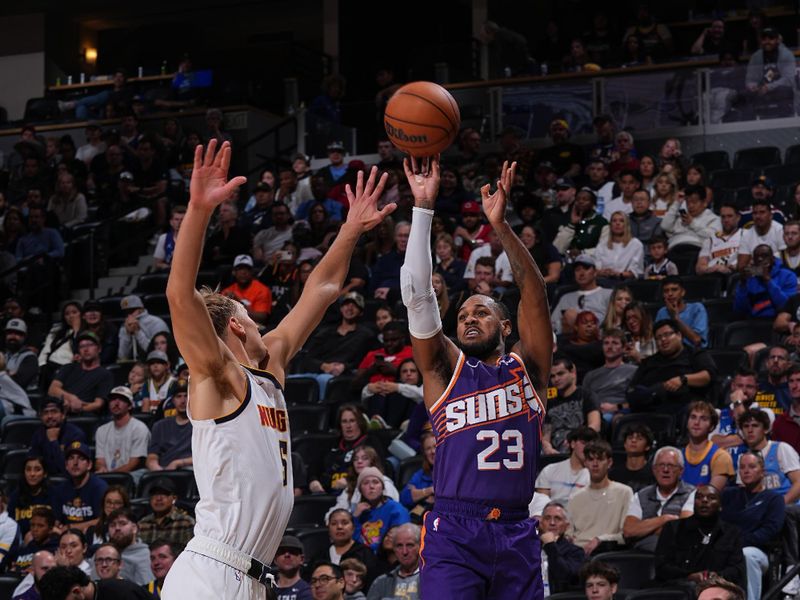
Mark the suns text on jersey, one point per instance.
(495, 404)
(274, 418)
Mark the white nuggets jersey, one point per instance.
(242, 464)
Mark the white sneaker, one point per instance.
(793, 587)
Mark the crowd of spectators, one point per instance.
(645, 262)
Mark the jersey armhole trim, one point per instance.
(456, 372)
(239, 409)
(518, 358)
(262, 373)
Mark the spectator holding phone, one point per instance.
(766, 286)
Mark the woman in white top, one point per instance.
(665, 192)
(364, 456)
(620, 255)
(59, 347)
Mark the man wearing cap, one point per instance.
(83, 385)
(259, 217)
(138, 329)
(78, 502)
(472, 233)
(21, 363)
(254, 295)
(159, 380)
(588, 296)
(270, 240)
(165, 245)
(121, 445)
(166, 521)
(334, 171)
(50, 439)
(558, 216)
(769, 81)
(337, 349)
(289, 558)
(171, 440)
(567, 158)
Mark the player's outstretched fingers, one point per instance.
(212, 146)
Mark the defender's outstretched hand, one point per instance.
(363, 210)
(494, 205)
(209, 186)
(424, 182)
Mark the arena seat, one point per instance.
(312, 418)
(719, 310)
(8, 583)
(571, 596)
(699, 287)
(156, 304)
(731, 179)
(742, 333)
(658, 594)
(14, 463)
(313, 447)
(645, 290)
(408, 466)
(88, 424)
(19, 431)
(792, 155)
(636, 569)
(713, 160)
(315, 541)
(662, 426)
(301, 390)
(111, 307)
(207, 278)
(183, 480)
(728, 360)
(757, 158)
(124, 480)
(782, 174)
(152, 283)
(310, 511)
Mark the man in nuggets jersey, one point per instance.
(486, 410)
(240, 433)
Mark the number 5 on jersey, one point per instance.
(512, 438)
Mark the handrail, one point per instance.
(776, 589)
(612, 72)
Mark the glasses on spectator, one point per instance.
(781, 358)
(667, 466)
(665, 336)
(292, 551)
(105, 561)
(322, 580)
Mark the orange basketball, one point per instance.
(422, 118)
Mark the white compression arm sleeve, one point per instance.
(415, 279)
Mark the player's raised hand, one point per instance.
(363, 211)
(209, 186)
(494, 205)
(423, 180)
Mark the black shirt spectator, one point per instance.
(54, 434)
(84, 385)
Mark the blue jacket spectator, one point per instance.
(372, 522)
(691, 317)
(767, 288)
(39, 239)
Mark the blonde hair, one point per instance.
(220, 308)
(672, 182)
(613, 320)
(627, 235)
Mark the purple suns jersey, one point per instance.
(488, 429)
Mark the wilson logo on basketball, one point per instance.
(272, 417)
(404, 137)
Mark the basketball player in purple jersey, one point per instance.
(486, 410)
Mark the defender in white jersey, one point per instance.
(240, 437)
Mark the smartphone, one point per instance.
(379, 358)
(628, 337)
(682, 212)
